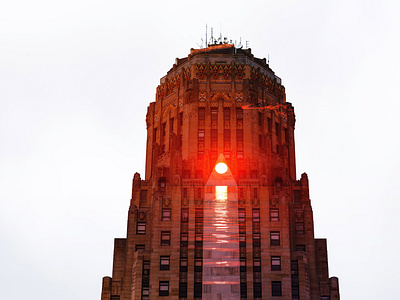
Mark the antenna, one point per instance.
(212, 36)
(206, 37)
(220, 34)
(247, 44)
(268, 58)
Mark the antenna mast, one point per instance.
(206, 37)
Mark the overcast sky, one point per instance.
(76, 78)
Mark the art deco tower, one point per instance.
(242, 230)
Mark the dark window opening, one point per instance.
(184, 215)
(183, 267)
(182, 289)
(275, 238)
(184, 239)
(276, 288)
(274, 214)
(299, 228)
(256, 264)
(165, 238)
(164, 262)
(275, 263)
(141, 228)
(256, 215)
(163, 288)
(166, 214)
(257, 290)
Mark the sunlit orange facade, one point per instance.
(239, 231)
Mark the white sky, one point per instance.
(75, 81)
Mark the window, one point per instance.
(155, 134)
(145, 293)
(299, 228)
(198, 265)
(257, 290)
(274, 214)
(180, 119)
(166, 214)
(243, 264)
(199, 240)
(165, 238)
(201, 135)
(184, 215)
(242, 239)
(256, 264)
(243, 290)
(199, 215)
(214, 114)
(256, 240)
(275, 263)
(286, 135)
(163, 288)
(242, 215)
(164, 262)
(143, 197)
(139, 248)
(117, 297)
(184, 239)
(197, 290)
(162, 183)
(278, 184)
(256, 215)
(301, 248)
(322, 298)
(183, 264)
(182, 289)
(171, 125)
(141, 228)
(275, 238)
(276, 288)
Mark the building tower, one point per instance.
(242, 230)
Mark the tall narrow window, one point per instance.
(164, 262)
(243, 264)
(256, 215)
(198, 265)
(197, 290)
(164, 288)
(275, 238)
(257, 290)
(182, 289)
(242, 239)
(256, 264)
(166, 214)
(171, 125)
(165, 238)
(256, 240)
(276, 288)
(242, 215)
(299, 228)
(183, 264)
(275, 263)
(184, 215)
(274, 214)
(184, 239)
(162, 182)
(141, 228)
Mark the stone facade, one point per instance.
(220, 104)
